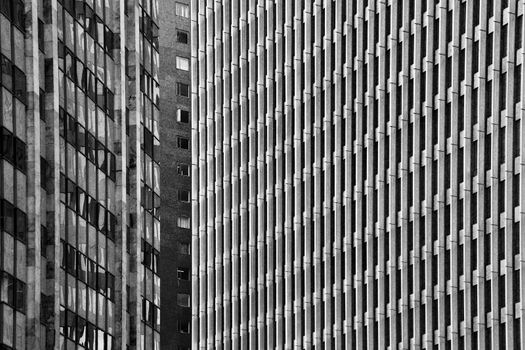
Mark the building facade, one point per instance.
(175, 83)
(358, 171)
(80, 228)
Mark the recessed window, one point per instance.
(183, 300)
(184, 222)
(182, 63)
(184, 248)
(183, 170)
(183, 142)
(183, 273)
(182, 10)
(183, 89)
(184, 326)
(182, 37)
(183, 116)
(184, 196)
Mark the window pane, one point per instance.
(183, 89)
(183, 142)
(182, 63)
(183, 222)
(182, 37)
(183, 273)
(183, 116)
(184, 196)
(184, 248)
(183, 300)
(183, 169)
(182, 10)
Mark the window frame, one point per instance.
(184, 221)
(185, 34)
(182, 63)
(183, 112)
(183, 89)
(182, 10)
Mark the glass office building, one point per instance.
(358, 174)
(80, 223)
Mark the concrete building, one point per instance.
(358, 171)
(175, 157)
(80, 228)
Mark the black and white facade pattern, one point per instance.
(358, 171)
(79, 183)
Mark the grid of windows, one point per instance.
(14, 204)
(87, 175)
(176, 161)
(147, 121)
(360, 174)
(67, 212)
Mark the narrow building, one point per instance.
(175, 157)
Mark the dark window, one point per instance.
(519, 30)
(21, 154)
(517, 84)
(7, 72)
(148, 142)
(21, 225)
(184, 196)
(183, 142)
(183, 89)
(8, 217)
(5, 7)
(20, 84)
(183, 116)
(182, 37)
(504, 31)
(7, 150)
(489, 48)
(18, 14)
(184, 326)
(183, 273)
(183, 169)
(475, 57)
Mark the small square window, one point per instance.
(184, 326)
(183, 90)
(182, 37)
(184, 248)
(183, 300)
(184, 196)
(183, 170)
(184, 222)
(182, 63)
(182, 10)
(183, 142)
(183, 273)
(183, 116)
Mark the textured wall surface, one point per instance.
(172, 157)
(357, 174)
